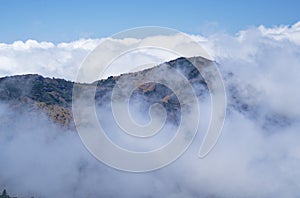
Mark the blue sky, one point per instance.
(63, 21)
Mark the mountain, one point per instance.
(54, 96)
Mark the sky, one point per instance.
(65, 21)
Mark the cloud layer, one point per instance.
(63, 59)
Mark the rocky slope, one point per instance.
(54, 96)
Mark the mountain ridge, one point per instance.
(54, 95)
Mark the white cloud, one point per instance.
(270, 66)
(43, 58)
(283, 32)
(84, 44)
(63, 59)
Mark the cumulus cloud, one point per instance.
(45, 58)
(64, 59)
(283, 32)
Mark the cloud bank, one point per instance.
(63, 59)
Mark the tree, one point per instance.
(4, 194)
